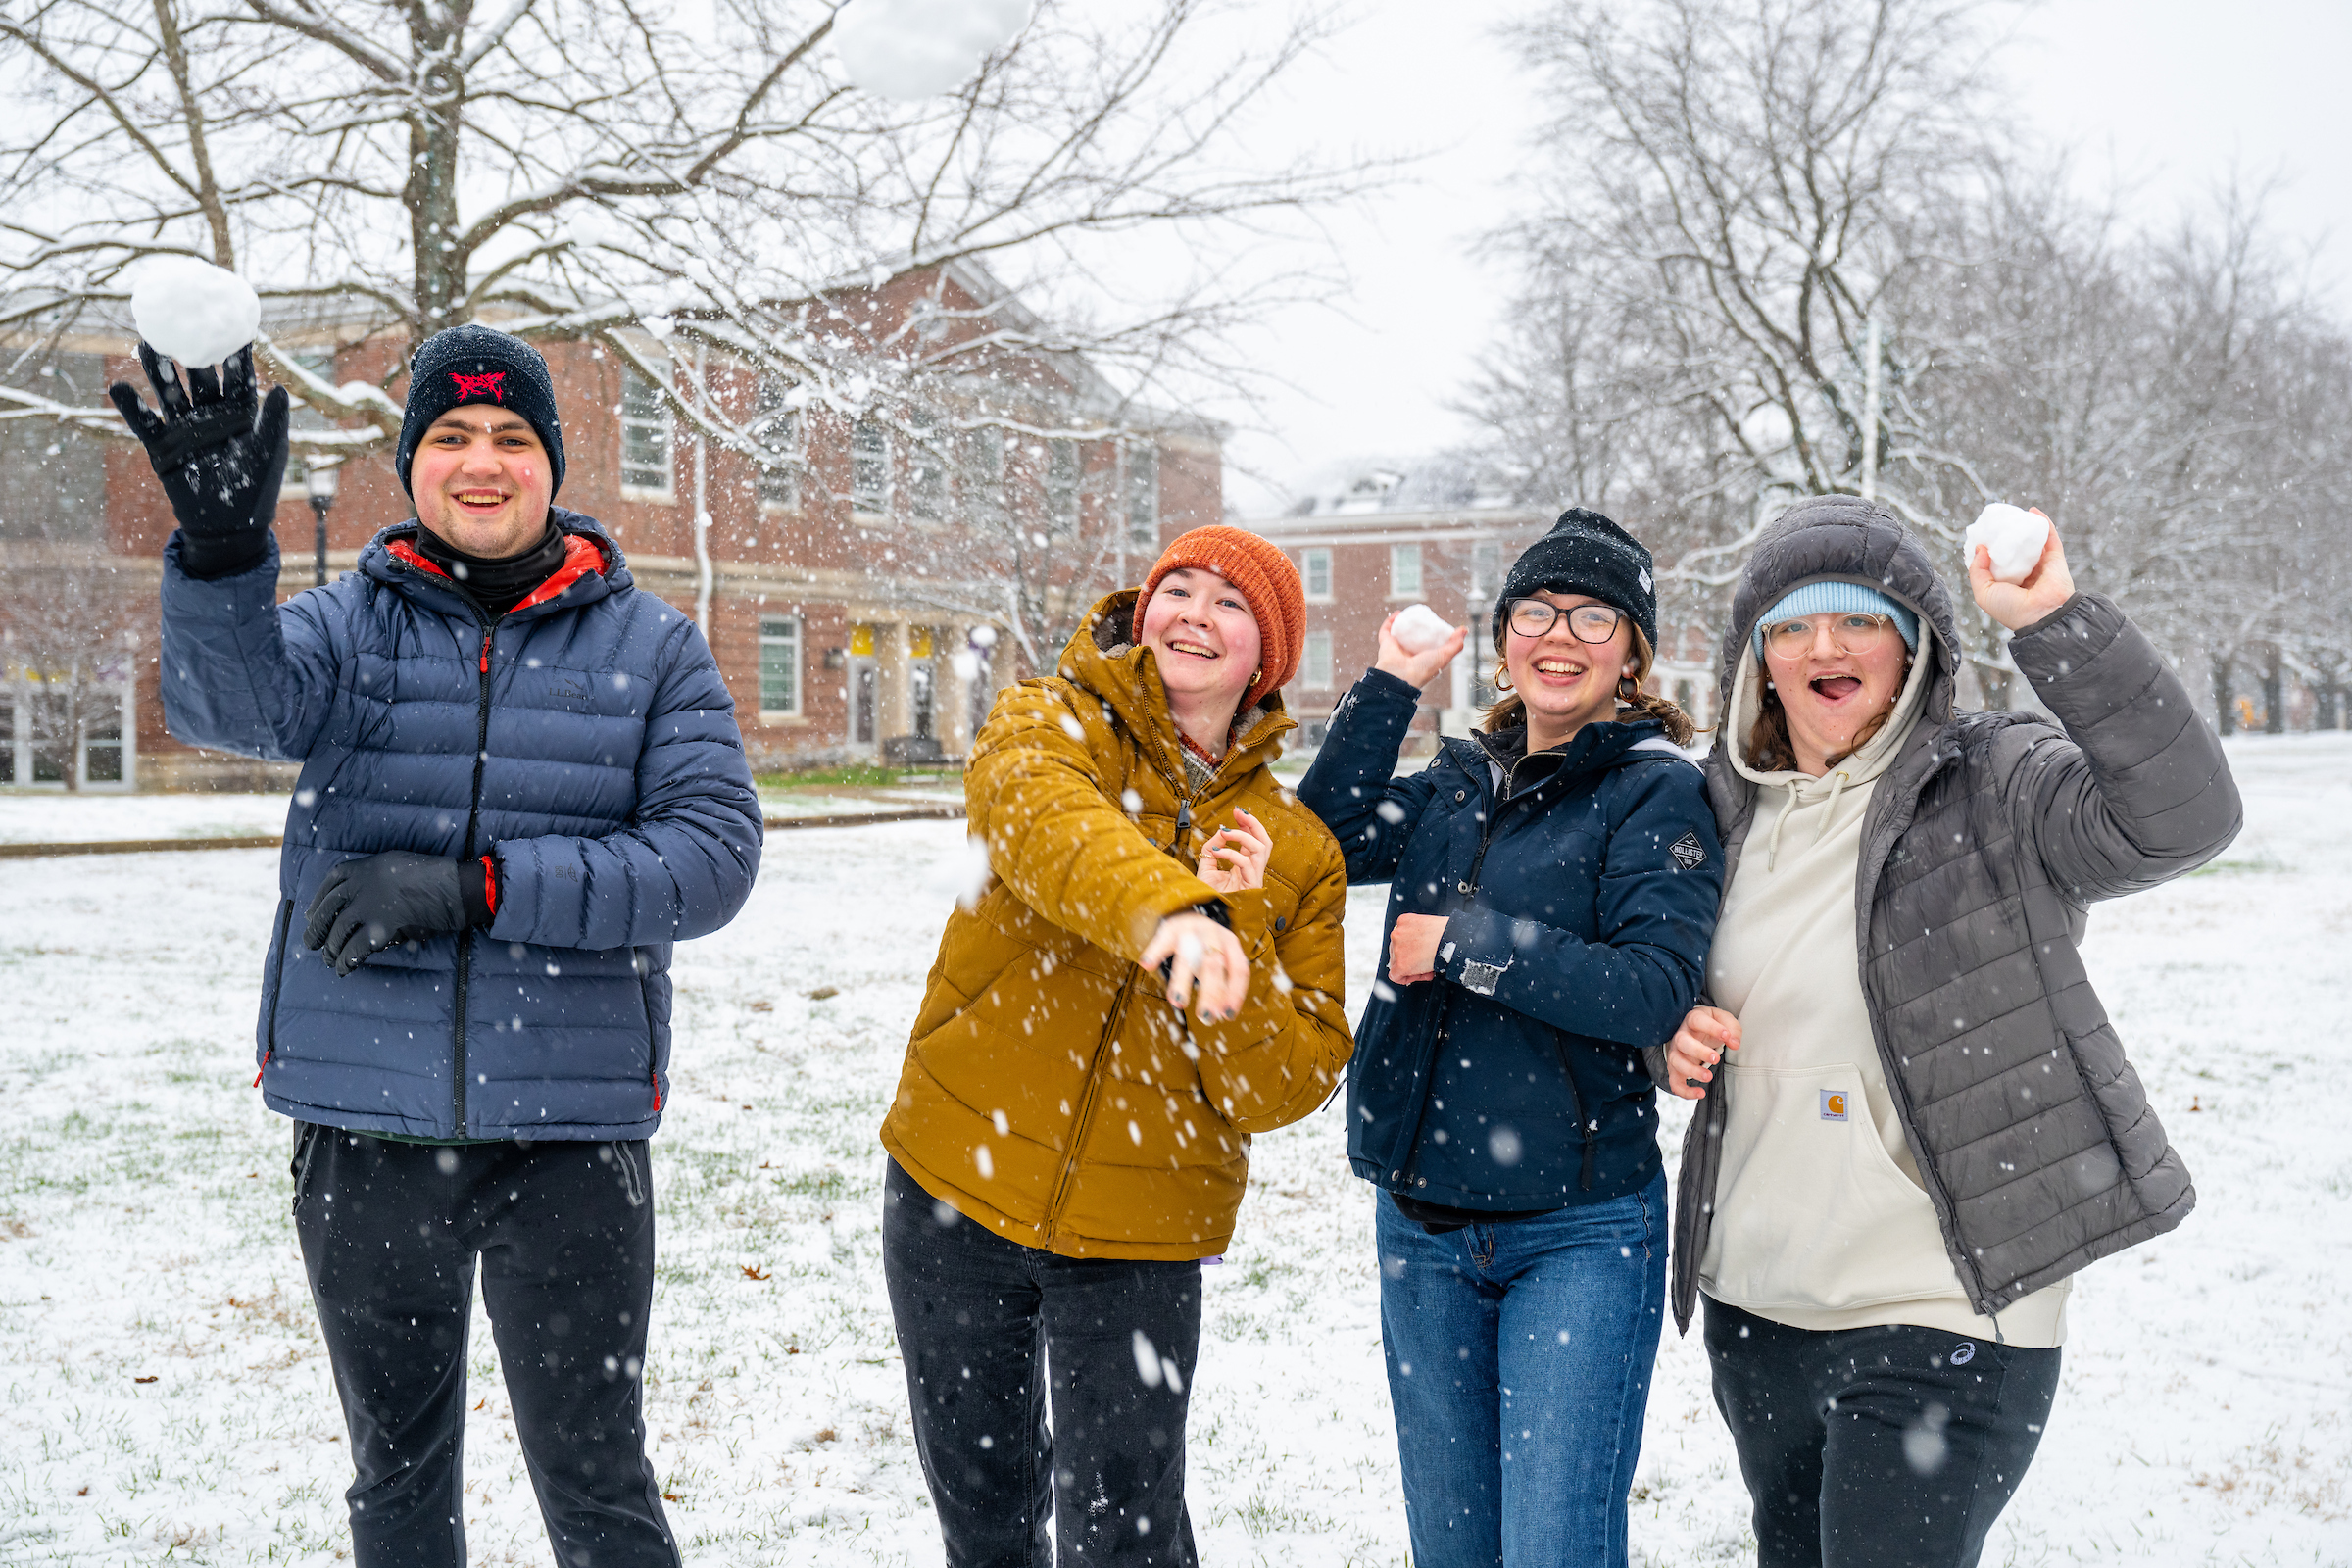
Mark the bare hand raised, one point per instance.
(1415, 669)
(1234, 859)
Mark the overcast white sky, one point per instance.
(2165, 96)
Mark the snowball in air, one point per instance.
(1419, 628)
(918, 48)
(2014, 536)
(192, 311)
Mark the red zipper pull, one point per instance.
(265, 1056)
(657, 1091)
(486, 652)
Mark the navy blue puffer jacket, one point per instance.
(1579, 899)
(585, 741)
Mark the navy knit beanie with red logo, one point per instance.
(477, 364)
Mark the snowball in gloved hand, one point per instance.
(1419, 628)
(192, 311)
(2014, 536)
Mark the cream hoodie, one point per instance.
(1821, 1220)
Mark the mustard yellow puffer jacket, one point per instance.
(1050, 1091)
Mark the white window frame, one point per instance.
(17, 694)
(1315, 558)
(1065, 480)
(781, 432)
(1142, 485)
(865, 465)
(782, 632)
(1314, 660)
(928, 473)
(656, 428)
(1406, 575)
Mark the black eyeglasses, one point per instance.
(1586, 623)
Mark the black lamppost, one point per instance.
(318, 477)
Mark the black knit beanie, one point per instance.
(1586, 554)
(477, 364)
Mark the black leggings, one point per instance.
(1878, 1447)
(564, 1234)
(979, 1318)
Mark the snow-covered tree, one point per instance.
(578, 168)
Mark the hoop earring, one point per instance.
(1502, 680)
(1624, 694)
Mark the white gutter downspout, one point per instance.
(703, 573)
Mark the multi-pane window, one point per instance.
(1486, 568)
(8, 736)
(778, 432)
(779, 665)
(869, 467)
(1062, 483)
(927, 473)
(1404, 572)
(1314, 662)
(1314, 570)
(1143, 494)
(980, 472)
(644, 433)
(102, 739)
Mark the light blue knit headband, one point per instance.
(1837, 599)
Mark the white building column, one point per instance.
(894, 660)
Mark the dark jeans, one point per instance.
(1878, 1447)
(564, 1232)
(979, 1319)
(1519, 1363)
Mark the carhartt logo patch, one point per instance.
(485, 385)
(1832, 1105)
(1688, 851)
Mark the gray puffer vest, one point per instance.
(1985, 843)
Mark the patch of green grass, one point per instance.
(867, 775)
(2260, 863)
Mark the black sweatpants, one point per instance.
(1878, 1447)
(976, 1316)
(564, 1233)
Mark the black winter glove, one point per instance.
(368, 905)
(220, 465)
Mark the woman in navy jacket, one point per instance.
(1553, 885)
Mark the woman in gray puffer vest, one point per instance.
(1912, 1150)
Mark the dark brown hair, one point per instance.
(1508, 709)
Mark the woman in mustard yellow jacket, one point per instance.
(1152, 974)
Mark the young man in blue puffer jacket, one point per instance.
(522, 782)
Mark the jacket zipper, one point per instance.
(285, 918)
(1467, 887)
(1090, 1095)
(473, 818)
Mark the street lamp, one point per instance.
(318, 477)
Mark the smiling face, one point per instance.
(1830, 695)
(1564, 682)
(482, 481)
(1203, 633)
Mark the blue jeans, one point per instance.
(1519, 1360)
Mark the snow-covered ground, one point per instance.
(52, 817)
(168, 1396)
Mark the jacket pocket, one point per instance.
(274, 986)
(1811, 1212)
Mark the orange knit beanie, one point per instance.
(1268, 583)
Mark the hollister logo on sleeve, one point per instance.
(1832, 1105)
(1688, 851)
(485, 385)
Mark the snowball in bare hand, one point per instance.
(962, 873)
(1419, 628)
(918, 48)
(192, 311)
(2014, 536)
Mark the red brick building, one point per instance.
(865, 584)
(1393, 539)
